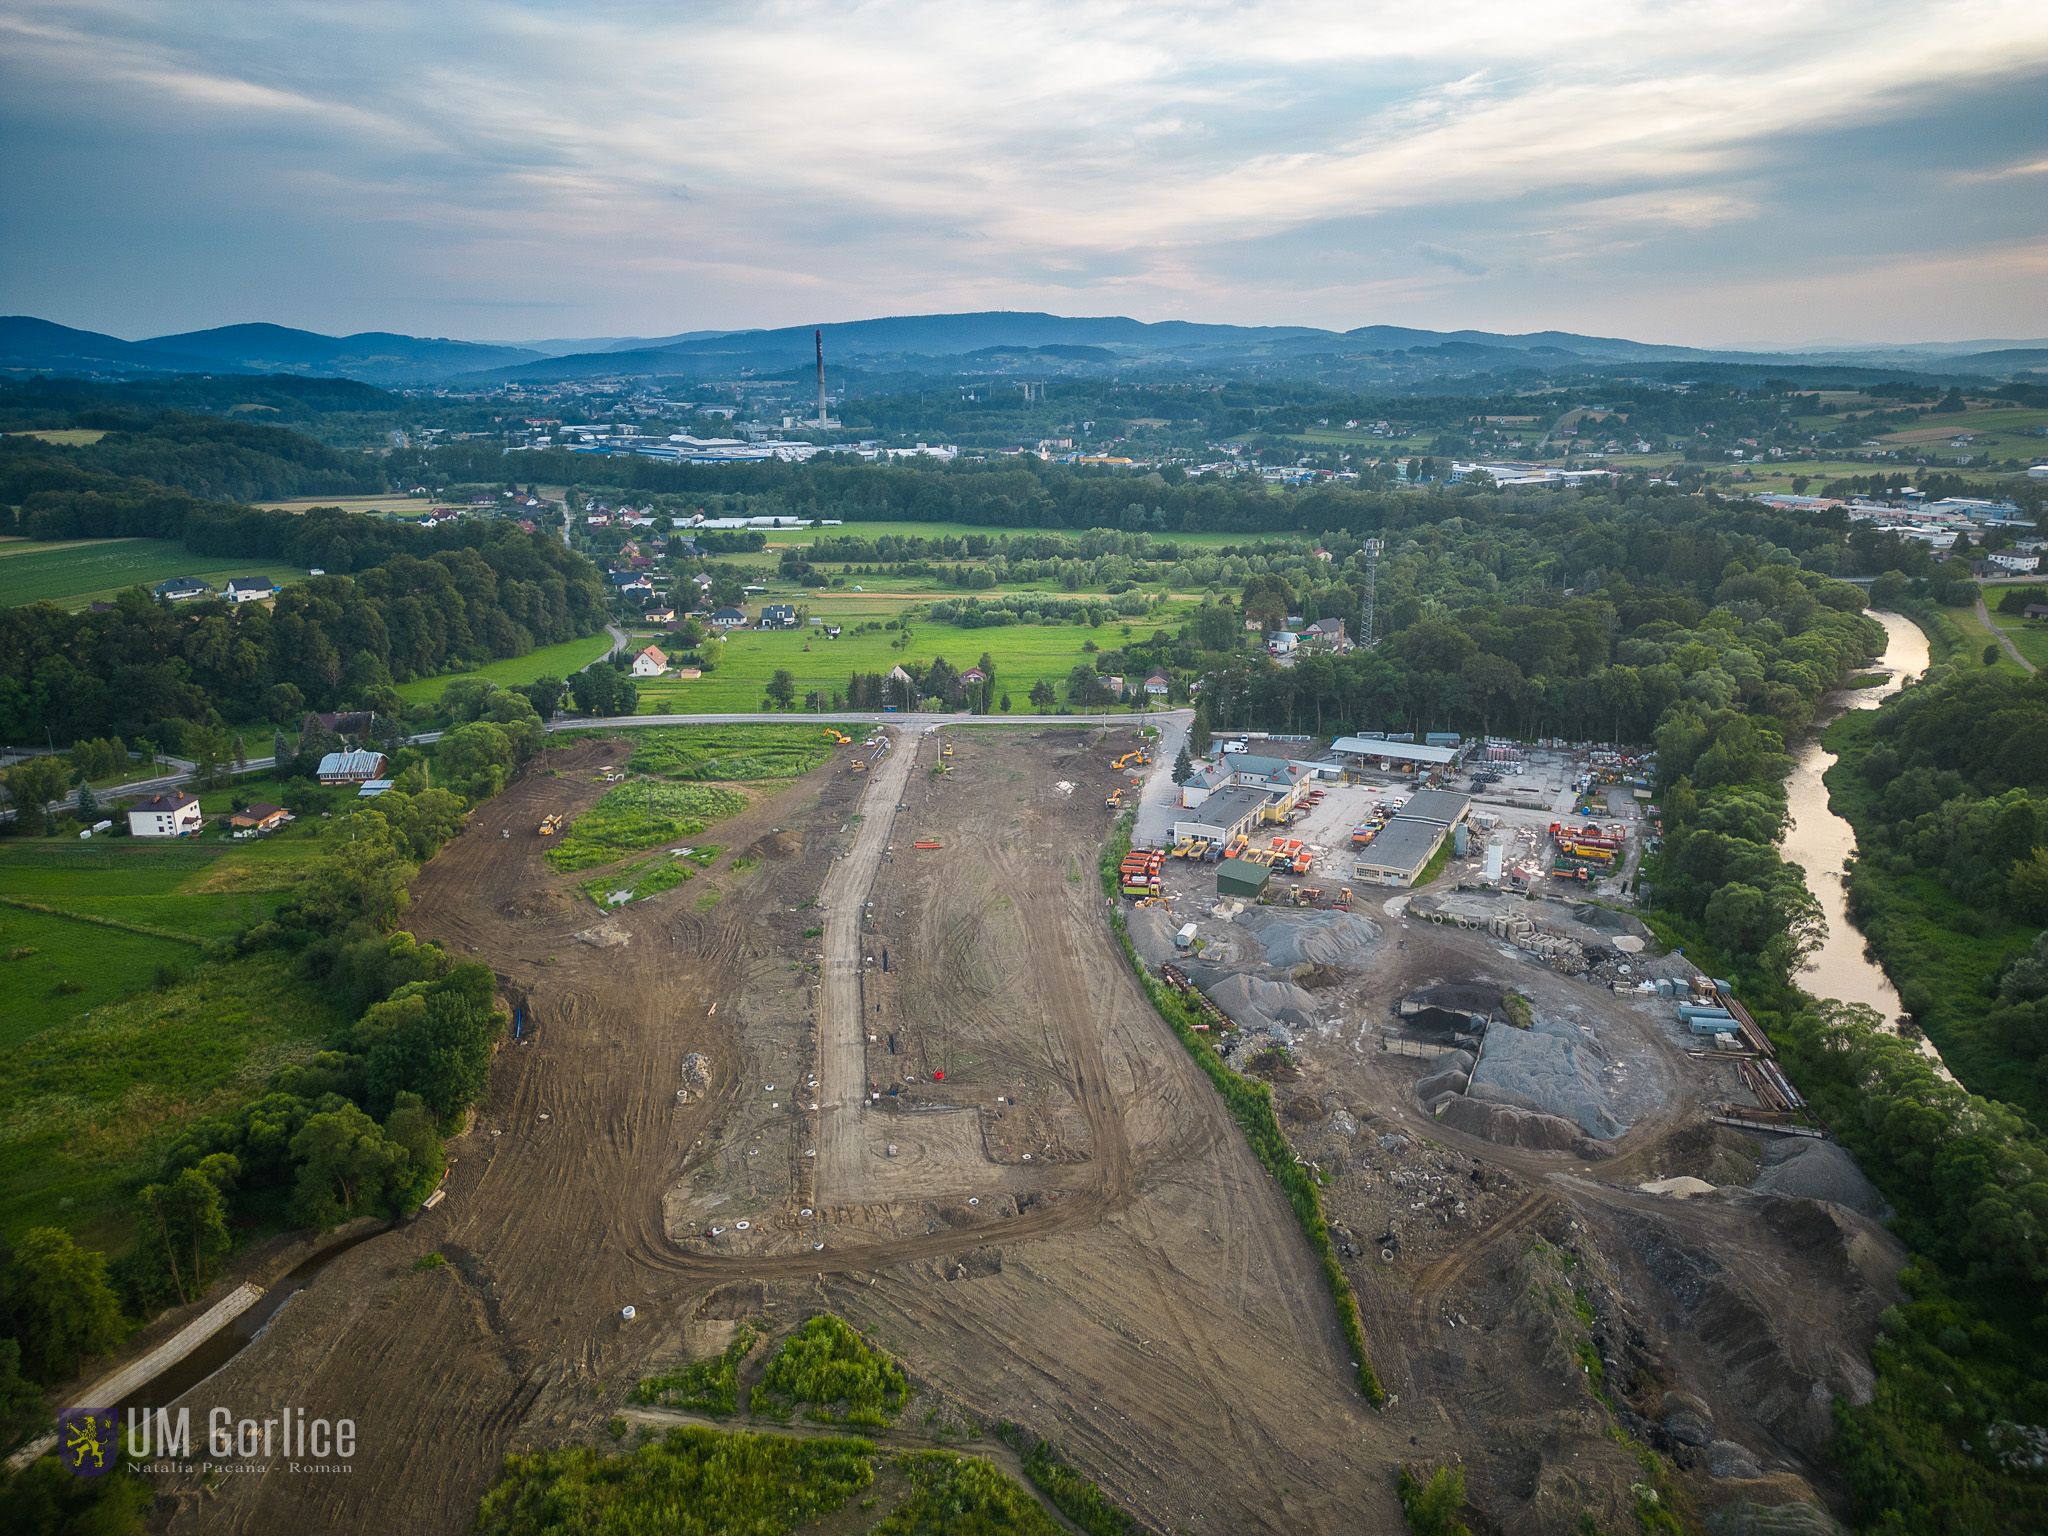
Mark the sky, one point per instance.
(1719, 174)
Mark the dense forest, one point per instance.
(1948, 790)
(328, 641)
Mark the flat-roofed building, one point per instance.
(1223, 816)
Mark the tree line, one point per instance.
(357, 1130)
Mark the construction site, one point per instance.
(885, 1056)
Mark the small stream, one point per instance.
(1820, 842)
(169, 1385)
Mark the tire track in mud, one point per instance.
(567, 1215)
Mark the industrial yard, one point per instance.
(883, 1057)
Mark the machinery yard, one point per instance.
(882, 1056)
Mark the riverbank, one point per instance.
(1823, 844)
(1944, 953)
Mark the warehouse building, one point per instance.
(1392, 756)
(1222, 816)
(1406, 844)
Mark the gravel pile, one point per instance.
(1552, 1068)
(1294, 937)
(1817, 1170)
(1506, 1126)
(1260, 1005)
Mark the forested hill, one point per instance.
(207, 456)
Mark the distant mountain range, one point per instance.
(375, 357)
(947, 343)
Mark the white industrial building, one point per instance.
(1405, 845)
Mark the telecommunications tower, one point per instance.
(1371, 637)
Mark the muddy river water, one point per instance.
(1819, 841)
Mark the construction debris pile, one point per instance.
(1554, 1068)
(1818, 1170)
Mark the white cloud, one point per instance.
(910, 152)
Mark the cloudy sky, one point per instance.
(1715, 172)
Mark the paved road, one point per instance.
(1984, 618)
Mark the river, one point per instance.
(1821, 842)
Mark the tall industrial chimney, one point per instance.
(819, 337)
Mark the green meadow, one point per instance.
(114, 1029)
(75, 572)
(507, 672)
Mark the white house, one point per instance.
(250, 589)
(651, 662)
(1156, 686)
(2012, 563)
(174, 813)
(1282, 642)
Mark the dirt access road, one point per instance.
(1073, 1234)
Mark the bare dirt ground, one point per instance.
(1071, 1233)
(1494, 1280)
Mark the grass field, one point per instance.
(1022, 653)
(795, 537)
(66, 437)
(394, 506)
(75, 572)
(549, 661)
(743, 753)
(2032, 639)
(638, 814)
(86, 1107)
(1999, 434)
(1976, 637)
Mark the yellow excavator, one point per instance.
(552, 823)
(838, 738)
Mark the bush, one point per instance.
(705, 1386)
(826, 1364)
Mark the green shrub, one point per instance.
(706, 1386)
(1432, 1506)
(829, 1366)
(1072, 1494)
(691, 1482)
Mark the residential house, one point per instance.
(659, 616)
(182, 589)
(2035, 611)
(627, 583)
(1114, 682)
(356, 767)
(255, 820)
(1156, 686)
(174, 813)
(651, 662)
(973, 677)
(250, 589)
(1328, 634)
(2007, 562)
(1282, 642)
(354, 723)
(831, 631)
(728, 618)
(778, 616)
